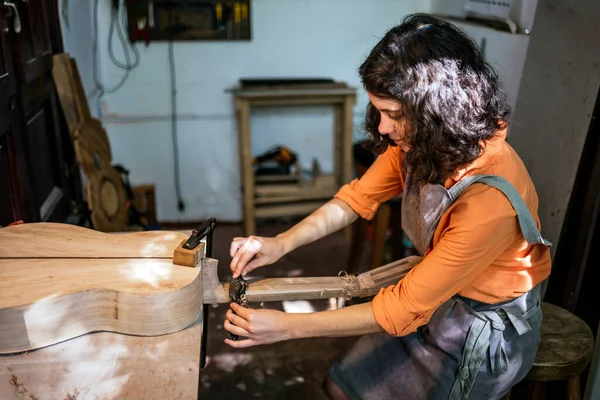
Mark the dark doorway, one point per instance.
(36, 167)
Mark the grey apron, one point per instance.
(468, 349)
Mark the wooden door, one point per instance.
(10, 203)
(38, 138)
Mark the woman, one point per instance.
(465, 322)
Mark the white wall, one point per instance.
(506, 53)
(290, 38)
(77, 40)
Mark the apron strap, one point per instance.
(473, 353)
(487, 334)
(526, 221)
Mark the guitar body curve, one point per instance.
(60, 281)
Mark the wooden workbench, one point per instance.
(106, 365)
(338, 95)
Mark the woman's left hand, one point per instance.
(256, 326)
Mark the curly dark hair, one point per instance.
(451, 97)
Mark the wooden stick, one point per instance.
(279, 289)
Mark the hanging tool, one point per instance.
(141, 30)
(275, 161)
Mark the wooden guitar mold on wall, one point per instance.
(61, 281)
(104, 187)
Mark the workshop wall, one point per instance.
(556, 98)
(77, 40)
(292, 38)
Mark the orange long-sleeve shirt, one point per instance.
(477, 251)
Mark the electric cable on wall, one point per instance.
(180, 203)
(115, 22)
(118, 23)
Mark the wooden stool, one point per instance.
(564, 353)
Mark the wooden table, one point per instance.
(107, 365)
(338, 95)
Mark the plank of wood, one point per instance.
(107, 365)
(55, 240)
(246, 171)
(258, 179)
(188, 257)
(307, 288)
(309, 93)
(284, 210)
(260, 201)
(61, 72)
(323, 185)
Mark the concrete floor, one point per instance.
(286, 370)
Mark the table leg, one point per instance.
(574, 389)
(246, 172)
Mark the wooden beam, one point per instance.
(279, 289)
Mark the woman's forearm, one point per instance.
(331, 217)
(348, 321)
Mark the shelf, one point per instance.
(261, 179)
(323, 183)
(287, 210)
(268, 197)
(493, 25)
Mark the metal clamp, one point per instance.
(205, 229)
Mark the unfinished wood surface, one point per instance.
(70, 91)
(104, 186)
(188, 257)
(52, 293)
(322, 195)
(285, 210)
(294, 92)
(566, 348)
(92, 146)
(55, 240)
(107, 201)
(46, 301)
(296, 178)
(279, 289)
(348, 132)
(90, 140)
(106, 366)
(321, 184)
(246, 171)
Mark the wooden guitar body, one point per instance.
(61, 281)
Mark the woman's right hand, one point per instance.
(252, 252)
